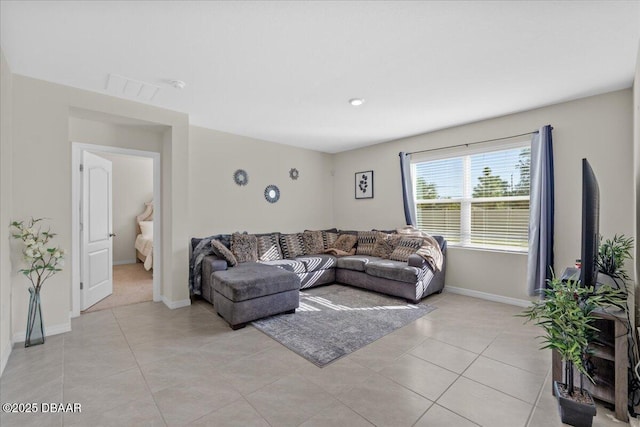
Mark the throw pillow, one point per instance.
(406, 247)
(328, 238)
(313, 243)
(345, 242)
(269, 247)
(385, 244)
(292, 245)
(366, 240)
(221, 251)
(244, 247)
(146, 229)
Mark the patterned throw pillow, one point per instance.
(221, 251)
(345, 242)
(244, 247)
(406, 247)
(328, 238)
(385, 244)
(366, 240)
(313, 242)
(292, 245)
(269, 247)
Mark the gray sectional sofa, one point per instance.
(411, 280)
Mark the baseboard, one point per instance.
(176, 304)
(5, 356)
(126, 261)
(48, 330)
(487, 296)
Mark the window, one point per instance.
(476, 199)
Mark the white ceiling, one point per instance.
(284, 71)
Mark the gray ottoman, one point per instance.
(251, 291)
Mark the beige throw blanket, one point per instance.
(430, 249)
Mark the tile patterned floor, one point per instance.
(468, 363)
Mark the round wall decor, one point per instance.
(240, 177)
(272, 193)
(294, 174)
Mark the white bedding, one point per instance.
(145, 246)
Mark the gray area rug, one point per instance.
(333, 321)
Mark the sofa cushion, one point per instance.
(313, 242)
(244, 247)
(406, 247)
(292, 265)
(394, 270)
(366, 240)
(252, 280)
(292, 245)
(222, 252)
(355, 262)
(269, 247)
(385, 244)
(317, 262)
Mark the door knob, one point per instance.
(112, 234)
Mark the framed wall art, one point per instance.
(364, 185)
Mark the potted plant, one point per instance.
(612, 255)
(566, 316)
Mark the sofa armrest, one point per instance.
(416, 260)
(212, 263)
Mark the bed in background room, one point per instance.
(144, 239)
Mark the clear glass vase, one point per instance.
(35, 329)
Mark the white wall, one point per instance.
(599, 128)
(218, 205)
(42, 153)
(6, 113)
(132, 186)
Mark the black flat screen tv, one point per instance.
(590, 226)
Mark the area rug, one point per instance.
(333, 321)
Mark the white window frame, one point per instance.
(467, 188)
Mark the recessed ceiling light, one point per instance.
(178, 84)
(356, 102)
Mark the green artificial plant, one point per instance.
(612, 254)
(566, 315)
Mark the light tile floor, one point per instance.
(470, 362)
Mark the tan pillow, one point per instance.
(269, 247)
(313, 243)
(385, 244)
(345, 242)
(221, 251)
(244, 247)
(366, 240)
(292, 245)
(405, 248)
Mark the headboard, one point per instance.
(147, 215)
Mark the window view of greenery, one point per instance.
(480, 200)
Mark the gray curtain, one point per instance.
(407, 189)
(540, 262)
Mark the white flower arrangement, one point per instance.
(42, 261)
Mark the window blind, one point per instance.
(478, 200)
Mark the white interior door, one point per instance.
(96, 269)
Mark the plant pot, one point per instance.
(573, 412)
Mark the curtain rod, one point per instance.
(474, 143)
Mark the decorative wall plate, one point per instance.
(294, 174)
(272, 193)
(240, 177)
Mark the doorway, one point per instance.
(124, 268)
